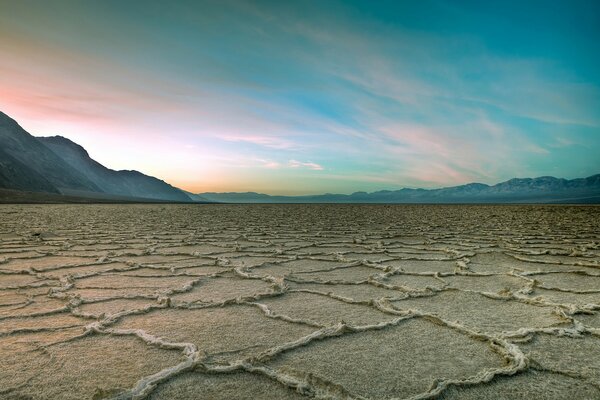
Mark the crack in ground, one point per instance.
(367, 260)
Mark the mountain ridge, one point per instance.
(544, 189)
(119, 182)
(58, 165)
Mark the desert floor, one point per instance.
(299, 301)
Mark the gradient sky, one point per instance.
(307, 97)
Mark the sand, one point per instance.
(299, 301)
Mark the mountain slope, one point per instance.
(29, 165)
(58, 165)
(123, 183)
(545, 189)
(16, 175)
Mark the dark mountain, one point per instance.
(122, 183)
(26, 164)
(58, 165)
(545, 189)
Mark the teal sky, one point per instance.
(301, 97)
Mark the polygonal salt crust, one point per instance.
(395, 362)
(93, 254)
(409, 240)
(201, 270)
(84, 270)
(22, 280)
(185, 263)
(119, 281)
(98, 366)
(153, 259)
(96, 247)
(44, 263)
(12, 297)
(256, 249)
(415, 282)
(7, 237)
(123, 254)
(557, 259)
(571, 355)
(319, 250)
(567, 298)
(324, 310)
(25, 254)
(107, 293)
(296, 266)
(43, 322)
(200, 249)
(421, 256)
(274, 233)
(570, 281)
(346, 274)
(236, 254)
(423, 265)
(252, 261)
(114, 306)
(21, 361)
(39, 249)
(289, 242)
(481, 313)
(39, 304)
(235, 331)
(239, 386)
(490, 284)
(363, 292)
(216, 290)
(157, 271)
(401, 251)
(236, 244)
(374, 257)
(533, 384)
(589, 320)
(500, 262)
(34, 291)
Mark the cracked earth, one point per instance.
(299, 301)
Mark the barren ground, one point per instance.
(299, 301)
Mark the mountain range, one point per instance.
(61, 170)
(545, 189)
(59, 166)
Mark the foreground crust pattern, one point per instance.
(299, 301)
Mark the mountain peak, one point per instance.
(57, 164)
(61, 140)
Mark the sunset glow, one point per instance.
(310, 97)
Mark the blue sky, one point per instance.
(311, 96)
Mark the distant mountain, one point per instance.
(195, 197)
(58, 165)
(545, 189)
(63, 169)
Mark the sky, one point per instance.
(306, 97)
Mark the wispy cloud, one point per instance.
(270, 164)
(288, 90)
(308, 165)
(265, 141)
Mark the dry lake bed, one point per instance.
(299, 301)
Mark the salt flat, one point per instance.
(299, 301)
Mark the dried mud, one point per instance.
(299, 301)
